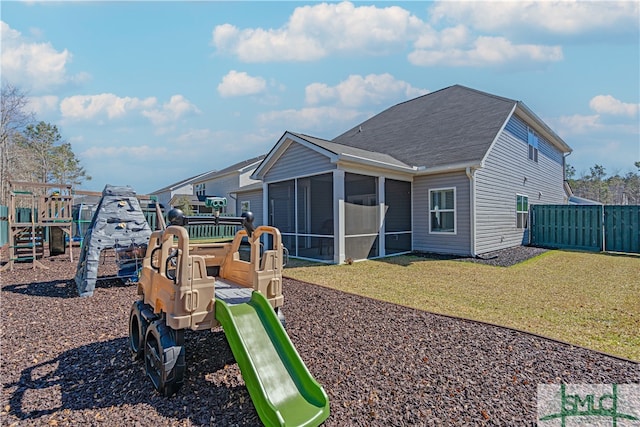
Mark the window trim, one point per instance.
(454, 210)
(533, 142)
(526, 227)
(200, 189)
(242, 205)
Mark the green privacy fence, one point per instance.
(622, 228)
(610, 228)
(198, 231)
(4, 225)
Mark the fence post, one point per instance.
(604, 224)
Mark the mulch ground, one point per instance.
(65, 361)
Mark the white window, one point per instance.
(200, 189)
(522, 211)
(532, 139)
(245, 206)
(442, 210)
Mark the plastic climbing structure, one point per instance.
(199, 286)
(34, 209)
(118, 223)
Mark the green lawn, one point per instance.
(592, 300)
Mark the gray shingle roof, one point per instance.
(450, 126)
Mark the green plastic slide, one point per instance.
(283, 390)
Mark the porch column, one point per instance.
(265, 203)
(338, 215)
(381, 225)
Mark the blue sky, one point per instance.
(150, 93)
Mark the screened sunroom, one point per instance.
(338, 216)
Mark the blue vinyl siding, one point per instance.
(519, 129)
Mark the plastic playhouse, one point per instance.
(200, 286)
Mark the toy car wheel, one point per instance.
(137, 330)
(164, 357)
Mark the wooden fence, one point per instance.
(610, 228)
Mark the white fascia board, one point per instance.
(281, 146)
(375, 163)
(532, 119)
(271, 157)
(495, 139)
(454, 167)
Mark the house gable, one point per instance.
(294, 156)
(298, 160)
(507, 173)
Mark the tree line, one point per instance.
(609, 190)
(32, 150)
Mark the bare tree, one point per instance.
(14, 119)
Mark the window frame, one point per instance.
(200, 189)
(533, 142)
(245, 206)
(521, 212)
(454, 210)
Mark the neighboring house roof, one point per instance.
(575, 200)
(179, 184)
(238, 167)
(455, 125)
(251, 187)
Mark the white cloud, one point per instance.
(41, 105)
(83, 107)
(231, 146)
(37, 66)
(110, 106)
(577, 124)
(313, 32)
(237, 83)
(607, 104)
(309, 119)
(554, 17)
(357, 90)
(483, 51)
(171, 111)
(195, 136)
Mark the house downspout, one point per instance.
(472, 207)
